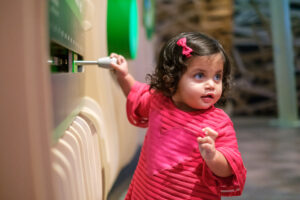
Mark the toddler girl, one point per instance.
(190, 150)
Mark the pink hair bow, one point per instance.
(185, 49)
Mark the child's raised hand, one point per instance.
(121, 67)
(207, 144)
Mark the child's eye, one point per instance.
(218, 77)
(198, 76)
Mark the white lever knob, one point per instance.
(104, 62)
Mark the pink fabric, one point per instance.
(168, 149)
(185, 49)
(170, 164)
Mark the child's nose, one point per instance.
(210, 84)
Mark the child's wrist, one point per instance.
(122, 76)
(211, 158)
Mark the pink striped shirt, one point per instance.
(170, 164)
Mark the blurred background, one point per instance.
(63, 126)
(244, 29)
(268, 134)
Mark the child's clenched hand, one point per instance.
(121, 67)
(207, 144)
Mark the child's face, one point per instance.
(201, 85)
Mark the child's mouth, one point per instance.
(207, 98)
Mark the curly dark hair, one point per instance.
(172, 64)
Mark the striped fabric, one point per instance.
(170, 165)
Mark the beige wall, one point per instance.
(25, 120)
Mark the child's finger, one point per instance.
(203, 140)
(120, 58)
(114, 66)
(204, 147)
(210, 132)
(113, 55)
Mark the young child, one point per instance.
(190, 150)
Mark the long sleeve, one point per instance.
(226, 143)
(138, 104)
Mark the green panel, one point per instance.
(122, 27)
(149, 17)
(65, 24)
(54, 69)
(74, 67)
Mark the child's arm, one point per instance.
(213, 158)
(125, 79)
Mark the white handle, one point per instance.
(104, 62)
